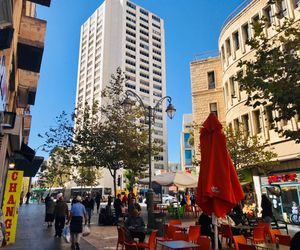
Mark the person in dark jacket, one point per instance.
(89, 204)
(266, 205)
(295, 242)
(50, 207)
(61, 213)
(206, 228)
(98, 200)
(118, 208)
(135, 224)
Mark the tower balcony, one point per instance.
(42, 2)
(31, 43)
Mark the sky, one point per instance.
(191, 27)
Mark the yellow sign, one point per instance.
(11, 203)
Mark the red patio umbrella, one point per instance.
(219, 189)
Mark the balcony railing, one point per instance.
(28, 79)
(206, 55)
(238, 10)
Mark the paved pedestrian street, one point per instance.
(33, 234)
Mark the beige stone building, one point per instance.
(235, 31)
(207, 93)
(21, 51)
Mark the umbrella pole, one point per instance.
(214, 221)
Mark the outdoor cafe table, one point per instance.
(178, 244)
(271, 246)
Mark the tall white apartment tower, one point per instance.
(122, 34)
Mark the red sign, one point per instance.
(282, 178)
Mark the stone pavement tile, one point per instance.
(103, 237)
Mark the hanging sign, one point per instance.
(11, 203)
(282, 178)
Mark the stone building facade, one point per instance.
(207, 93)
(21, 51)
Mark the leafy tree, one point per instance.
(87, 176)
(119, 139)
(56, 172)
(274, 76)
(249, 153)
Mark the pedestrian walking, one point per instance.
(61, 213)
(28, 197)
(266, 205)
(125, 200)
(89, 204)
(118, 208)
(98, 200)
(77, 214)
(50, 207)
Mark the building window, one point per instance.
(257, 122)
(156, 38)
(144, 83)
(236, 124)
(130, 13)
(232, 87)
(228, 47)
(213, 108)
(211, 80)
(131, 86)
(130, 33)
(222, 52)
(130, 62)
(282, 9)
(156, 58)
(156, 66)
(156, 26)
(144, 67)
(144, 46)
(131, 5)
(144, 90)
(130, 55)
(130, 26)
(255, 19)
(246, 32)
(144, 19)
(130, 40)
(268, 15)
(144, 61)
(130, 19)
(144, 32)
(144, 39)
(245, 121)
(144, 12)
(270, 118)
(155, 18)
(144, 53)
(144, 75)
(144, 26)
(236, 40)
(130, 47)
(188, 157)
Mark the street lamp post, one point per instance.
(150, 114)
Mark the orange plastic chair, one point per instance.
(246, 247)
(175, 222)
(180, 236)
(273, 232)
(258, 235)
(171, 232)
(121, 237)
(283, 239)
(204, 243)
(267, 228)
(194, 233)
(151, 245)
(239, 239)
(130, 246)
(226, 233)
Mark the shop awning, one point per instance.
(29, 168)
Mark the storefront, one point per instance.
(284, 192)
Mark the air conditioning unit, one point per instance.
(5, 13)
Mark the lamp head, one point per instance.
(171, 110)
(127, 103)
